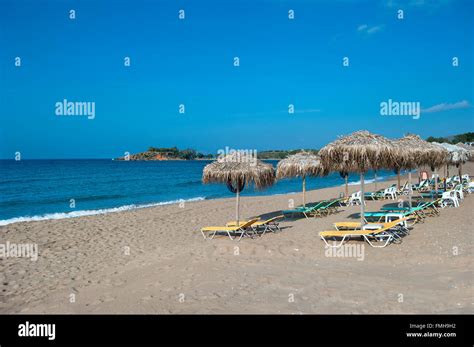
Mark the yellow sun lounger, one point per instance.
(381, 234)
(269, 224)
(356, 225)
(243, 229)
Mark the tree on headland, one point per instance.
(187, 154)
(168, 153)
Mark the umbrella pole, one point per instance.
(447, 173)
(346, 178)
(237, 207)
(375, 178)
(445, 176)
(460, 171)
(362, 207)
(436, 181)
(410, 191)
(304, 190)
(398, 179)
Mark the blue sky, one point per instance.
(190, 62)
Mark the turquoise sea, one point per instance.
(54, 189)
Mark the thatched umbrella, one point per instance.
(237, 169)
(359, 152)
(301, 164)
(470, 149)
(457, 155)
(416, 152)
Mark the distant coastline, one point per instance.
(164, 153)
(173, 153)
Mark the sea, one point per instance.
(32, 190)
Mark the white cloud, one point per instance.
(364, 28)
(446, 107)
(374, 29)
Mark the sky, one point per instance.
(191, 62)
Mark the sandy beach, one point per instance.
(155, 260)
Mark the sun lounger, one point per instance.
(430, 208)
(262, 225)
(306, 211)
(374, 195)
(385, 234)
(403, 189)
(415, 214)
(432, 194)
(328, 208)
(242, 229)
(419, 187)
(385, 216)
(356, 225)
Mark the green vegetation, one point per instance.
(466, 137)
(172, 153)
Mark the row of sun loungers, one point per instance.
(392, 222)
(383, 227)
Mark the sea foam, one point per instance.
(75, 214)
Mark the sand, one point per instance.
(155, 260)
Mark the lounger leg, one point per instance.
(208, 237)
(334, 246)
(389, 238)
(272, 227)
(242, 233)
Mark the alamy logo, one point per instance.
(238, 156)
(78, 108)
(37, 330)
(19, 250)
(345, 251)
(400, 108)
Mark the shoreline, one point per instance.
(114, 209)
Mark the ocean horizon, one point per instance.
(41, 189)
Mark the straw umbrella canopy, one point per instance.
(301, 164)
(405, 160)
(416, 152)
(457, 155)
(470, 149)
(359, 152)
(237, 169)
